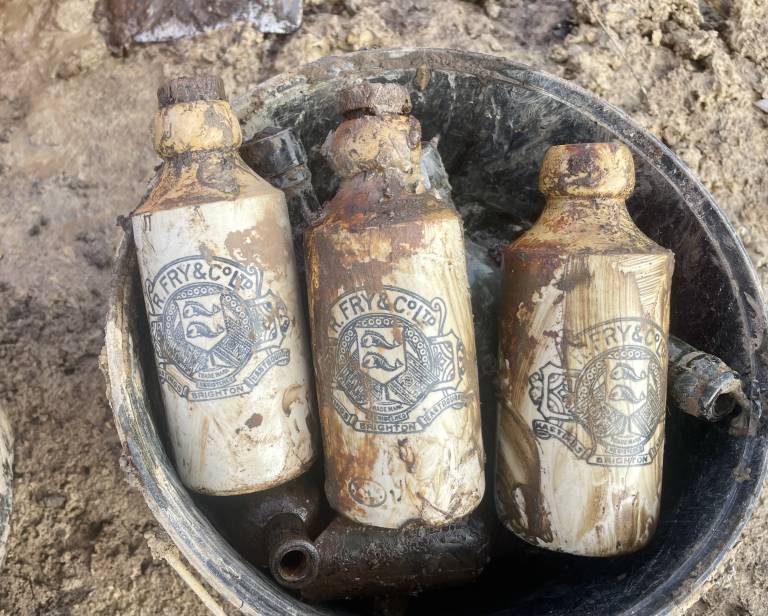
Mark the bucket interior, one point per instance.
(494, 120)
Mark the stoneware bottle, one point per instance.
(392, 327)
(222, 297)
(583, 363)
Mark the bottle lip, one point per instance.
(588, 170)
(191, 88)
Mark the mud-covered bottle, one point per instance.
(223, 301)
(583, 352)
(392, 329)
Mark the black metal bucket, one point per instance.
(495, 119)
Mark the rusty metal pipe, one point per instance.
(249, 520)
(701, 384)
(293, 558)
(358, 560)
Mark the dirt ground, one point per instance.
(75, 153)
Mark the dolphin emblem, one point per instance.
(201, 330)
(623, 371)
(622, 393)
(374, 339)
(374, 360)
(196, 309)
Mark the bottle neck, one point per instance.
(199, 128)
(571, 211)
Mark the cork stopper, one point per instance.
(588, 170)
(189, 89)
(374, 99)
(273, 151)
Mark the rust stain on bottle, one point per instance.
(392, 327)
(583, 359)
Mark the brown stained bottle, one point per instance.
(392, 333)
(583, 358)
(223, 300)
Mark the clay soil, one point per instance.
(75, 153)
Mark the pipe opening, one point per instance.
(294, 565)
(724, 405)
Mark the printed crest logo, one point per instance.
(397, 368)
(613, 390)
(380, 354)
(202, 320)
(215, 333)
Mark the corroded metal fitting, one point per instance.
(189, 89)
(374, 98)
(588, 170)
(273, 151)
(703, 385)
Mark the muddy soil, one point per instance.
(75, 153)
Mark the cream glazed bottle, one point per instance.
(222, 297)
(393, 342)
(583, 351)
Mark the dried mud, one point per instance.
(75, 152)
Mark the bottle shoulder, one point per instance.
(399, 212)
(595, 229)
(538, 245)
(199, 182)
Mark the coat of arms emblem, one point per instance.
(613, 390)
(216, 332)
(397, 364)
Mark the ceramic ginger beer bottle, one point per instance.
(392, 330)
(583, 363)
(222, 296)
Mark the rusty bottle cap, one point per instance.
(588, 170)
(374, 98)
(187, 89)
